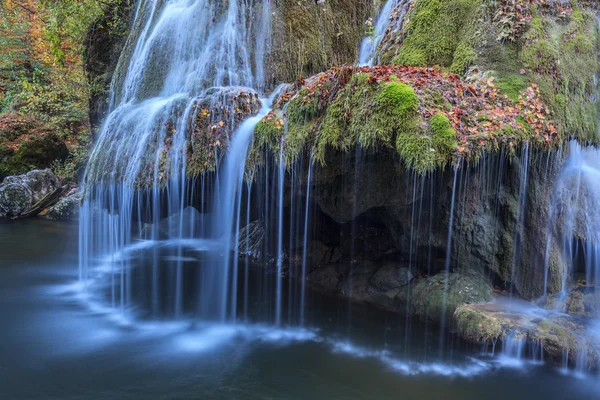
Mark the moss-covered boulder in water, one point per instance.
(29, 193)
(562, 338)
(434, 296)
(15, 199)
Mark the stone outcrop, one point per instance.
(27, 195)
(561, 337)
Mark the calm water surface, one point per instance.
(56, 345)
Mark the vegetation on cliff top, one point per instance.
(42, 68)
(430, 118)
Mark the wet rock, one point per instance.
(580, 299)
(67, 207)
(432, 298)
(186, 224)
(563, 338)
(325, 279)
(391, 276)
(28, 194)
(252, 240)
(322, 254)
(429, 295)
(356, 284)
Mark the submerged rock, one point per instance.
(186, 224)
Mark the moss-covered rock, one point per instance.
(309, 38)
(440, 294)
(440, 32)
(27, 144)
(562, 55)
(562, 338)
(428, 117)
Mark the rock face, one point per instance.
(28, 194)
(309, 38)
(15, 199)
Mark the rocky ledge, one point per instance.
(562, 337)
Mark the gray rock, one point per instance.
(15, 199)
(20, 195)
(67, 207)
(391, 276)
(185, 224)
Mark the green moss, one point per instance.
(464, 57)
(416, 151)
(444, 137)
(268, 132)
(512, 85)
(441, 32)
(400, 97)
(367, 114)
(476, 326)
(309, 39)
(563, 58)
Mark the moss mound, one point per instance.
(428, 117)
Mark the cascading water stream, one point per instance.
(370, 44)
(181, 53)
(575, 217)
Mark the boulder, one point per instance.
(563, 338)
(15, 199)
(432, 298)
(391, 276)
(27, 195)
(186, 224)
(67, 207)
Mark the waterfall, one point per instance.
(575, 217)
(390, 18)
(181, 54)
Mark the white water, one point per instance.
(184, 50)
(146, 116)
(387, 19)
(574, 222)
